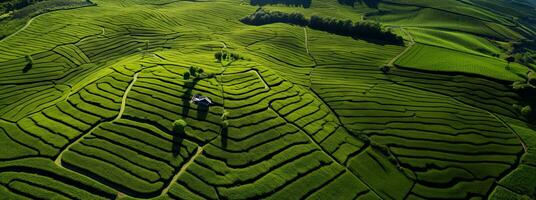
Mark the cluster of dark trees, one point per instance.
(262, 17)
(224, 55)
(362, 29)
(303, 3)
(24, 8)
(11, 5)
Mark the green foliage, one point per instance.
(186, 76)
(526, 111)
(225, 55)
(179, 125)
(29, 65)
(225, 124)
(361, 29)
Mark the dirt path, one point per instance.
(121, 110)
(262, 80)
(182, 170)
(410, 44)
(21, 29)
(125, 95)
(306, 40)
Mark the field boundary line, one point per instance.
(306, 40)
(320, 148)
(410, 45)
(523, 145)
(125, 96)
(60, 156)
(31, 19)
(182, 170)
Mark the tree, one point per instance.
(179, 125)
(225, 124)
(193, 71)
(385, 69)
(29, 65)
(526, 111)
(218, 55)
(186, 75)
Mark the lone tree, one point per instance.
(196, 72)
(29, 65)
(526, 111)
(385, 69)
(186, 75)
(179, 125)
(193, 71)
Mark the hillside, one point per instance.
(268, 99)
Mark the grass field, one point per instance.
(90, 99)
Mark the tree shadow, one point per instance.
(187, 96)
(178, 137)
(202, 111)
(27, 67)
(224, 135)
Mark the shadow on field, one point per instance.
(224, 134)
(178, 137)
(202, 112)
(187, 96)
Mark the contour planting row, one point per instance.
(280, 47)
(135, 158)
(261, 150)
(40, 178)
(478, 92)
(161, 99)
(424, 57)
(45, 35)
(407, 121)
(57, 126)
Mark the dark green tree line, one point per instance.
(362, 29)
(302, 3)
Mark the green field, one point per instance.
(96, 100)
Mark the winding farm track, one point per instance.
(119, 115)
(125, 96)
(182, 170)
(306, 40)
(21, 29)
(410, 44)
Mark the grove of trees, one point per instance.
(361, 29)
(262, 17)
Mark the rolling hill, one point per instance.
(294, 99)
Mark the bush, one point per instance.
(225, 124)
(526, 111)
(193, 71)
(262, 17)
(179, 125)
(186, 75)
(224, 55)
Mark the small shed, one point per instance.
(201, 100)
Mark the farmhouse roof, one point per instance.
(201, 99)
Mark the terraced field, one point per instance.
(92, 100)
